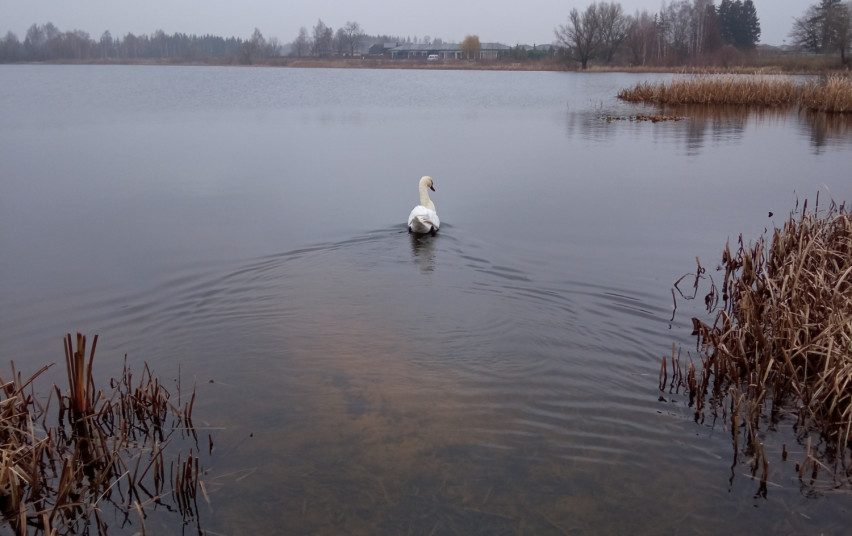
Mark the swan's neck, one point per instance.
(424, 198)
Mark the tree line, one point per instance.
(682, 32)
(349, 40)
(694, 32)
(45, 42)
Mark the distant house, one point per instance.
(493, 51)
(538, 51)
(487, 51)
(545, 49)
(382, 49)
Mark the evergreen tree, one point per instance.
(726, 17)
(738, 23)
(749, 26)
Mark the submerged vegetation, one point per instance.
(832, 94)
(654, 118)
(781, 340)
(100, 450)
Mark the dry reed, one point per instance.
(60, 471)
(782, 335)
(832, 94)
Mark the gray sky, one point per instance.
(506, 21)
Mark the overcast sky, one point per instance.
(505, 21)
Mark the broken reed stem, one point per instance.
(832, 94)
(80, 384)
(782, 335)
(57, 478)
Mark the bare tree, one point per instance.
(354, 35)
(470, 46)
(322, 39)
(613, 28)
(581, 36)
(825, 27)
(107, 44)
(339, 44)
(254, 48)
(10, 47)
(35, 43)
(677, 19)
(704, 32)
(641, 38)
(301, 45)
(273, 47)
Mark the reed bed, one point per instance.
(832, 94)
(61, 470)
(781, 339)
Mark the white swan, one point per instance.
(423, 218)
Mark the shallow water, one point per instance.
(247, 225)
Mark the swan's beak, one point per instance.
(432, 187)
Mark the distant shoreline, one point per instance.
(335, 63)
(458, 65)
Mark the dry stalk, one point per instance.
(60, 470)
(831, 94)
(781, 339)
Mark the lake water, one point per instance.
(248, 226)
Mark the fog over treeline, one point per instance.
(682, 32)
(46, 42)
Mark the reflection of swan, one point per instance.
(423, 251)
(423, 218)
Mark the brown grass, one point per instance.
(781, 337)
(701, 69)
(99, 450)
(833, 94)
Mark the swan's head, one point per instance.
(426, 182)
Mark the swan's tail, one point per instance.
(420, 224)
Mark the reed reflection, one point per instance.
(826, 129)
(589, 125)
(721, 124)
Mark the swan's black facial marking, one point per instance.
(432, 187)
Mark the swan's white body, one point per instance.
(423, 218)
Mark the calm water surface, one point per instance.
(247, 224)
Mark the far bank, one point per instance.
(788, 65)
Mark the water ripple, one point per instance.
(515, 357)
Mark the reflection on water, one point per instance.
(384, 401)
(827, 129)
(349, 391)
(729, 123)
(717, 124)
(360, 381)
(423, 250)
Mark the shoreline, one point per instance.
(458, 65)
